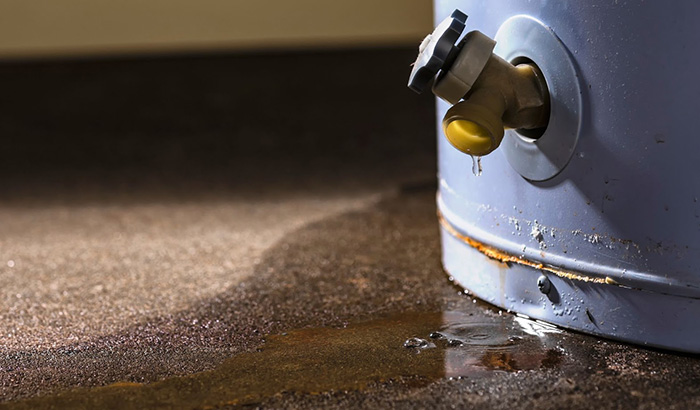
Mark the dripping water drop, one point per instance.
(476, 166)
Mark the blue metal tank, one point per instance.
(595, 226)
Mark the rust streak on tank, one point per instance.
(504, 257)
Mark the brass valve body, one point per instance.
(503, 96)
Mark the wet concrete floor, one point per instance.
(328, 321)
(271, 276)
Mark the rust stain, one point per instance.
(504, 257)
(610, 281)
(125, 384)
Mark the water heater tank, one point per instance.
(591, 220)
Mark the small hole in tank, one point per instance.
(531, 135)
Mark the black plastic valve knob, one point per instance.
(436, 50)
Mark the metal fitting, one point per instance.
(489, 94)
(544, 284)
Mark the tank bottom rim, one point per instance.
(589, 306)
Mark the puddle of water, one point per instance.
(415, 347)
(480, 346)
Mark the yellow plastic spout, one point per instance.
(468, 136)
(474, 126)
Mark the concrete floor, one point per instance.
(216, 232)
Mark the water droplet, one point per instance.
(476, 166)
(415, 342)
(436, 335)
(455, 342)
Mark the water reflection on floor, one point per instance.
(421, 347)
(509, 344)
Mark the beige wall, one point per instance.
(88, 27)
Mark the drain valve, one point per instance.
(488, 94)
